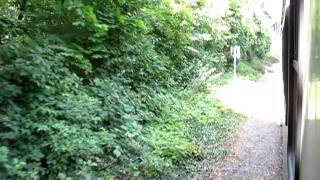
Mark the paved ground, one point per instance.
(257, 150)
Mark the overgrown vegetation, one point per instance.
(111, 89)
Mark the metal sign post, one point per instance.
(235, 52)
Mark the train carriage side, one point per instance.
(301, 75)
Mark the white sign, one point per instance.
(235, 52)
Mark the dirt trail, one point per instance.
(257, 149)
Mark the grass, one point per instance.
(210, 125)
(221, 79)
(256, 68)
(212, 132)
(247, 71)
(196, 127)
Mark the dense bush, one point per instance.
(98, 88)
(254, 43)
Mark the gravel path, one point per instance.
(257, 148)
(257, 154)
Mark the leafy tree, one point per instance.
(98, 88)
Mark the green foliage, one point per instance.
(193, 125)
(255, 69)
(96, 89)
(247, 71)
(254, 44)
(239, 33)
(262, 42)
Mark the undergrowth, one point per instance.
(195, 127)
(255, 69)
(247, 71)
